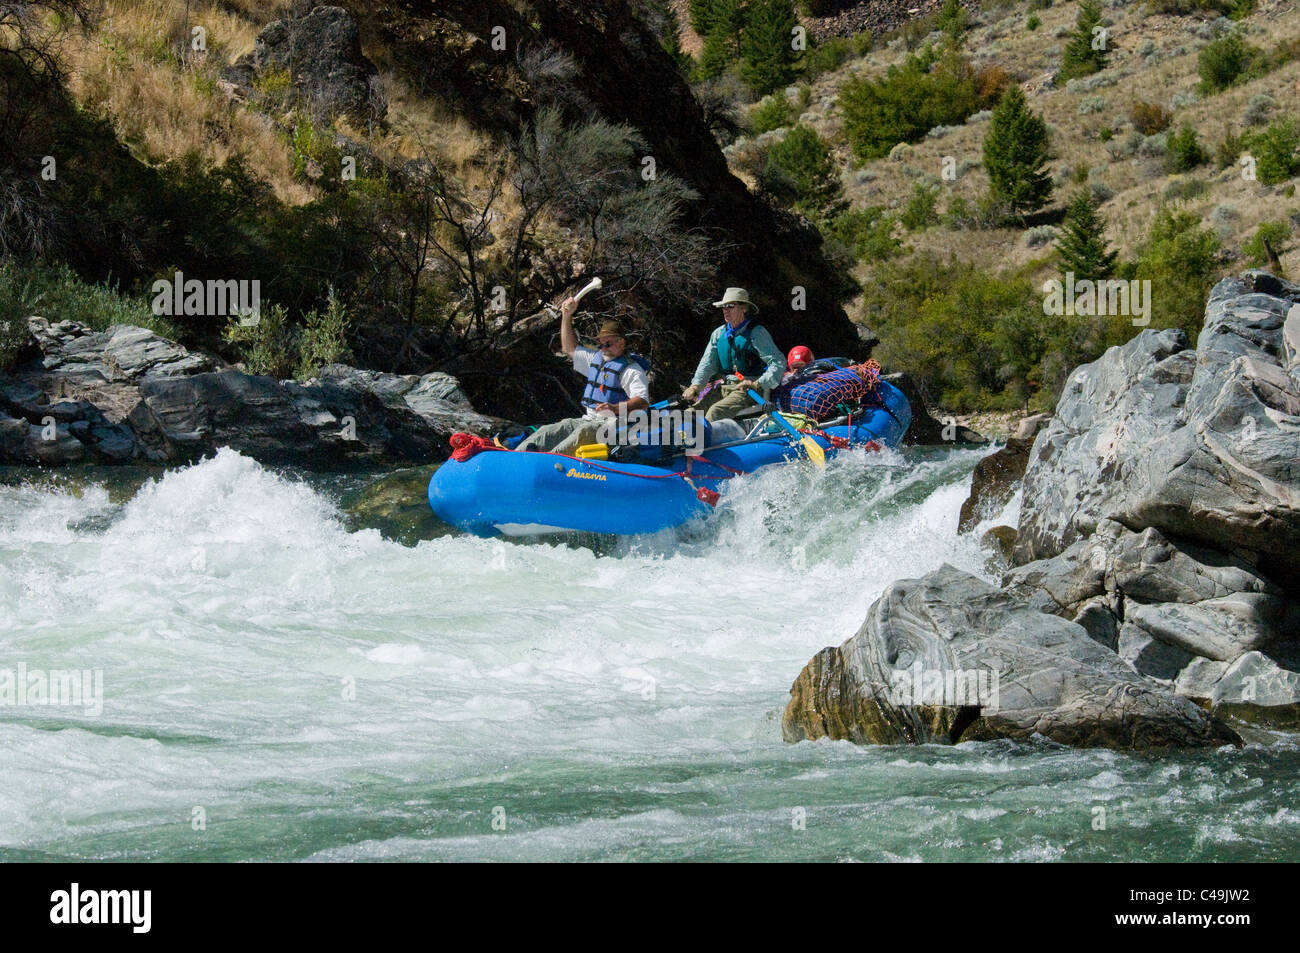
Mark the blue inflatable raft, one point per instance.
(525, 493)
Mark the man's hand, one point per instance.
(568, 307)
(691, 392)
(612, 408)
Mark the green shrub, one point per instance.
(1179, 258)
(1185, 7)
(1229, 151)
(1033, 23)
(1274, 150)
(323, 339)
(15, 306)
(867, 233)
(907, 102)
(773, 112)
(768, 59)
(801, 174)
(1015, 156)
(268, 346)
(1085, 53)
(1105, 134)
(1223, 63)
(1082, 243)
(921, 212)
(57, 293)
(971, 338)
(1184, 151)
(951, 21)
(1150, 118)
(1269, 234)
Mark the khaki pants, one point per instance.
(563, 436)
(727, 400)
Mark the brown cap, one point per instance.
(612, 329)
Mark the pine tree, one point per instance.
(1086, 52)
(1015, 152)
(724, 19)
(1082, 245)
(707, 15)
(952, 21)
(766, 45)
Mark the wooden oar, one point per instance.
(810, 446)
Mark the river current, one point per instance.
(278, 684)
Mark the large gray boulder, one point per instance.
(127, 395)
(948, 658)
(279, 422)
(320, 48)
(122, 354)
(1201, 444)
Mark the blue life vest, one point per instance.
(604, 380)
(737, 354)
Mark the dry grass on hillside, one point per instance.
(128, 72)
(1153, 59)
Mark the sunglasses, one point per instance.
(611, 343)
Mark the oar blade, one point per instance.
(814, 450)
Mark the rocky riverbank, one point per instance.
(1147, 605)
(128, 396)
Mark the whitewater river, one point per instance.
(280, 685)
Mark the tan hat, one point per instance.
(736, 295)
(611, 328)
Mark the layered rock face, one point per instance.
(127, 395)
(949, 658)
(1159, 524)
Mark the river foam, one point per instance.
(279, 687)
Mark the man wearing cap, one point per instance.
(616, 381)
(741, 355)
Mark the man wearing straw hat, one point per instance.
(616, 380)
(741, 355)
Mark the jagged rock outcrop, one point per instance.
(127, 395)
(994, 482)
(949, 658)
(320, 48)
(1201, 444)
(1161, 512)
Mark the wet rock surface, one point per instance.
(987, 666)
(126, 395)
(1159, 523)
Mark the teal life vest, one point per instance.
(604, 380)
(737, 354)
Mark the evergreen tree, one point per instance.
(766, 45)
(1015, 152)
(952, 21)
(707, 15)
(724, 20)
(1082, 244)
(1086, 51)
(801, 173)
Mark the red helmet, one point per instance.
(800, 354)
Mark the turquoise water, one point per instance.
(277, 685)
